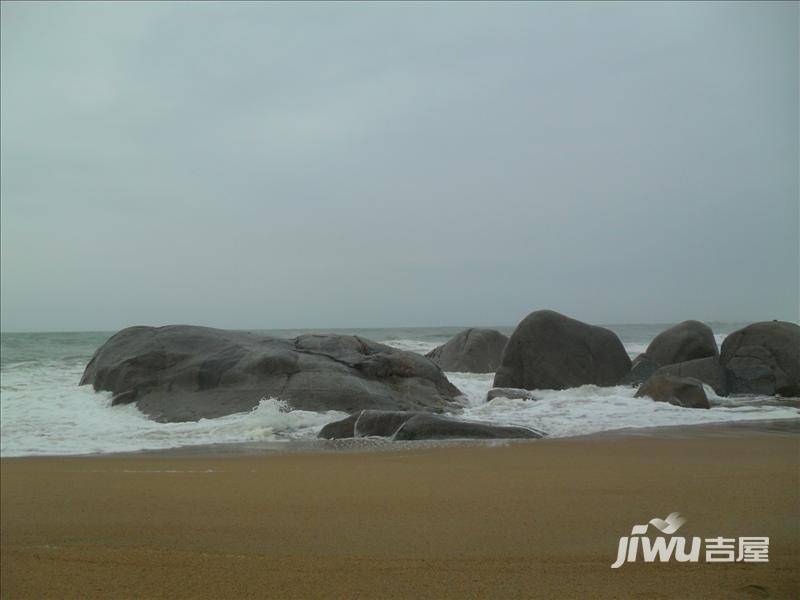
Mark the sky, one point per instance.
(268, 165)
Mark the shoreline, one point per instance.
(788, 426)
(515, 520)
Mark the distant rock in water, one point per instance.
(510, 394)
(763, 359)
(550, 351)
(642, 368)
(680, 391)
(402, 425)
(689, 340)
(708, 370)
(186, 373)
(473, 350)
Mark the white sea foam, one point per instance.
(45, 412)
(589, 408)
(634, 349)
(418, 346)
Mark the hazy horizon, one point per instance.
(348, 166)
(362, 328)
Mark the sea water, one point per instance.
(44, 411)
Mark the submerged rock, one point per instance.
(366, 423)
(510, 393)
(402, 425)
(551, 351)
(337, 430)
(473, 350)
(381, 423)
(425, 426)
(186, 373)
(685, 341)
(764, 359)
(680, 391)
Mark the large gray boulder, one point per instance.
(763, 359)
(680, 391)
(185, 373)
(689, 340)
(473, 350)
(550, 351)
(402, 425)
(708, 370)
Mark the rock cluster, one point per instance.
(183, 373)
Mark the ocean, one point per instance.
(43, 411)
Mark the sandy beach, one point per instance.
(538, 519)
(399, 300)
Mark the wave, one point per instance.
(418, 346)
(56, 417)
(634, 349)
(591, 409)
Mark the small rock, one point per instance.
(510, 393)
(680, 391)
(708, 370)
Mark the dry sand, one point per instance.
(537, 519)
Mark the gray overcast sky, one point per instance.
(342, 165)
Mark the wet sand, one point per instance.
(538, 519)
